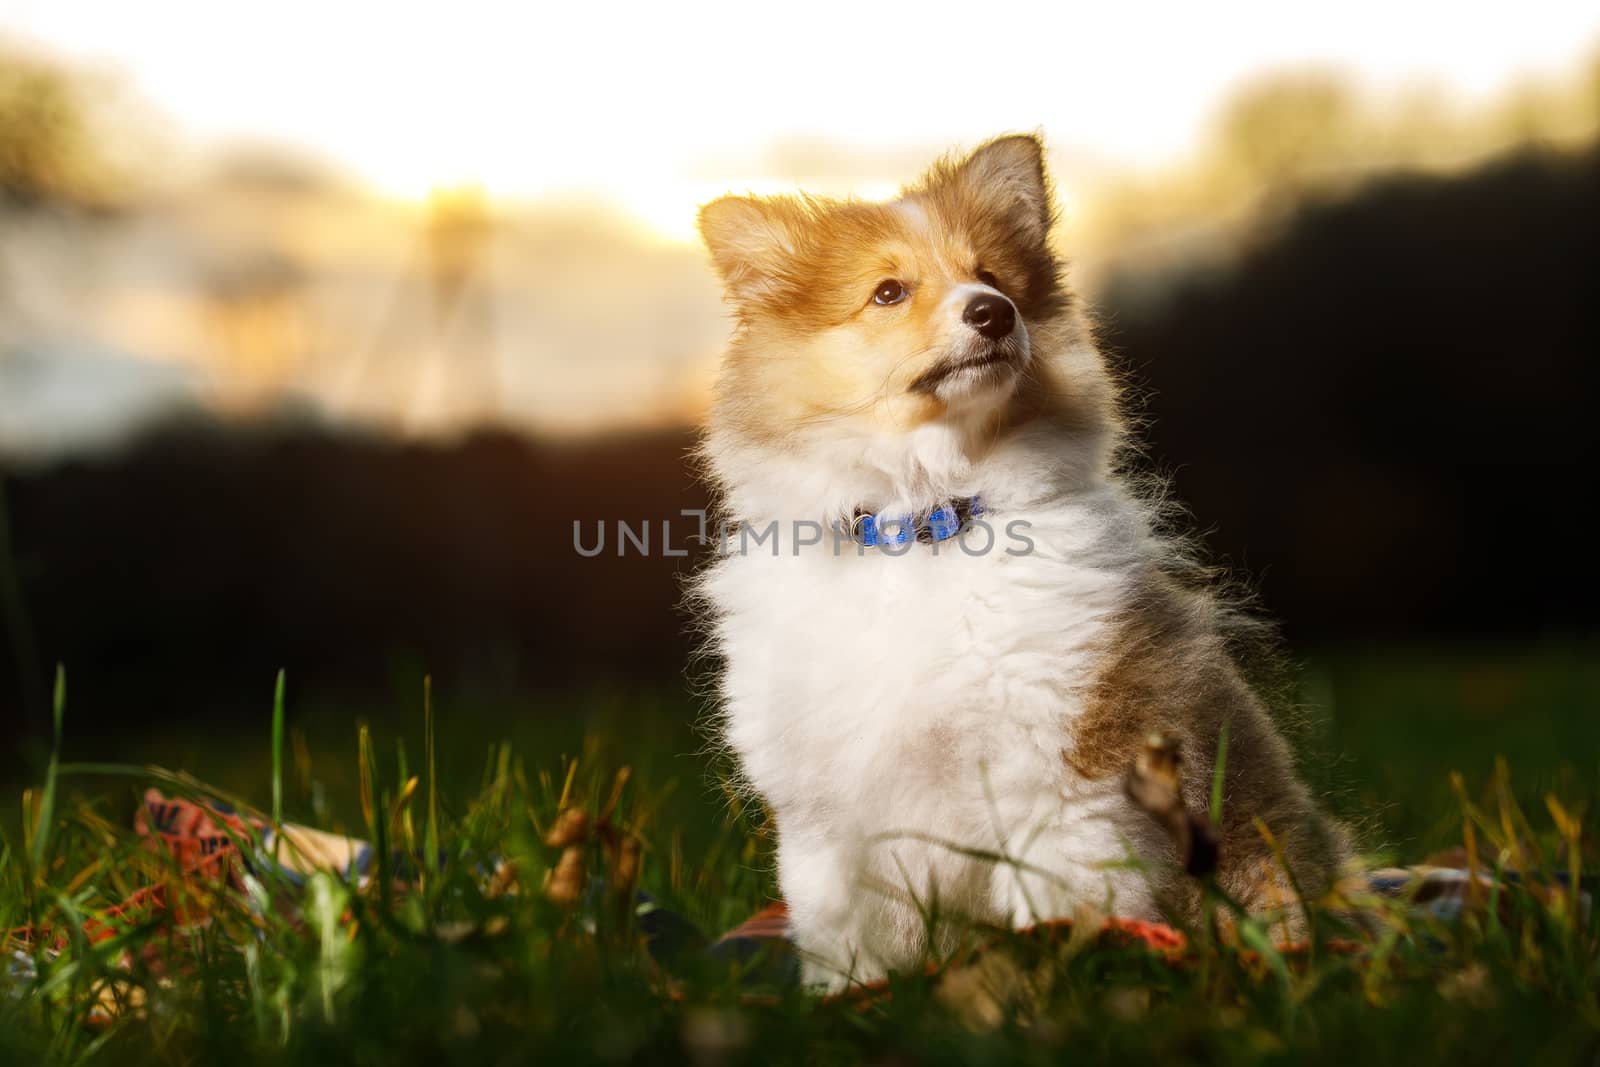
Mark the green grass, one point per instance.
(457, 970)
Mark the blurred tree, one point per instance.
(48, 151)
(1278, 131)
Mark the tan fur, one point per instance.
(801, 271)
(1168, 670)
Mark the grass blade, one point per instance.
(430, 837)
(1217, 774)
(277, 765)
(47, 801)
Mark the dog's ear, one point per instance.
(753, 242)
(1009, 171)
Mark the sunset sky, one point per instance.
(657, 108)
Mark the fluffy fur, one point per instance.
(907, 716)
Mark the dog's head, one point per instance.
(933, 306)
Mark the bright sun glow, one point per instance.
(640, 106)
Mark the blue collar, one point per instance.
(939, 523)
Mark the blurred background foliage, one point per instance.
(47, 155)
(255, 413)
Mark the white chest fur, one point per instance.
(899, 712)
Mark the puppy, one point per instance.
(947, 625)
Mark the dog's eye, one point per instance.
(888, 292)
(988, 279)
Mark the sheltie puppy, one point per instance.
(947, 623)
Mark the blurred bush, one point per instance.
(50, 152)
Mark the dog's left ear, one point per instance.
(1011, 169)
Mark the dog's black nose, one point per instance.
(991, 315)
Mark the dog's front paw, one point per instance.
(823, 979)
